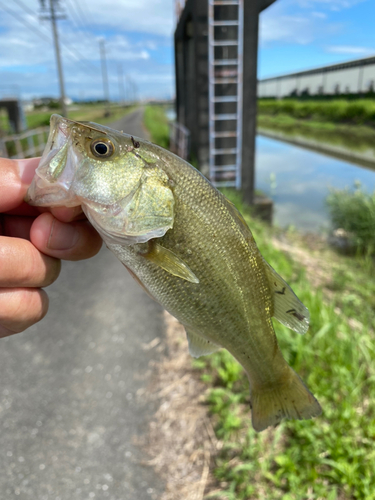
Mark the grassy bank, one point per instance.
(355, 137)
(360, 111)
(156, 123)
(330, 457)
(349, 124)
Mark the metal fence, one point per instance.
(25, 145)
(179, 137)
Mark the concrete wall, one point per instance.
(355, 77)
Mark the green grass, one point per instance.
(332, 456)
(359, 111)
(156, 123)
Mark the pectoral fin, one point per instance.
(170, 262)
(287, 308)
(198, 346)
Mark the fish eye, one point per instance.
(102, 148)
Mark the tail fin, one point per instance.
(291, 399)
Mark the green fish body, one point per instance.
(188, 247)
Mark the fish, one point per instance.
(188, 247)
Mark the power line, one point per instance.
(105, 76)
(44, 36)
(87, 8)
(81, 23)
(25, 23)
(78, 6)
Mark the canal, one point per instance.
(298, 181)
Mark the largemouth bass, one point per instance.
(189, 248)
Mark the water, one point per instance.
(298, 181)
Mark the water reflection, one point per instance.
(302, 182)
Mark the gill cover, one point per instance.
(147, 212)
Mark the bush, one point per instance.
(354, 211)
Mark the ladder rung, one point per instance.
(227, 116)
(225, 62)
(223, 134)
(225, 98)
(225, 168)
(223, 43)
(221, 81)
(224, 183)
(225, 73)
(224, 23)
(224, 2)
(225, 151)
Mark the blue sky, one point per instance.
(302, 34)
(294, 35)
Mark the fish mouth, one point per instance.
(54, 175)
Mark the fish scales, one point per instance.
(188, 247)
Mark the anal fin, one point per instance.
(287, 308)
(198, 346)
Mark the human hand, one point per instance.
(32, 242)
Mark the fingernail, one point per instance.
(63, 236)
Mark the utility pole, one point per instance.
(121, 84)
(105, 77)
(129, 89)
(53, 18)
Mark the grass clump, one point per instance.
(156, 122)
(354, 211)
(330, 457)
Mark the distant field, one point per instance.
(93, 112)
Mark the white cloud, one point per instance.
(286, 28)
(333, 5)
(137, 35)
(319, 15)
(144, 16)
(349, 49)
(300, 22)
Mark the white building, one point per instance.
(354, 77)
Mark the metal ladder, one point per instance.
(224, 69)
